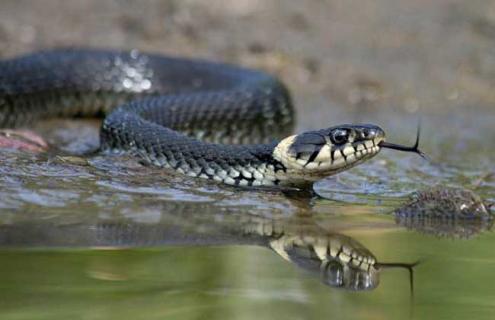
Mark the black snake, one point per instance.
(192, 116)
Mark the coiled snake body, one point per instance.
(188, 115)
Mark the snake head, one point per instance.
(315, 154)
(339, 261)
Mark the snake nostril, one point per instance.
(369, 133)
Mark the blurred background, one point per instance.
(408, 55)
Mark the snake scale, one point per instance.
(200, 118)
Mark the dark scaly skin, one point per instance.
(214, 102)
(91, 82)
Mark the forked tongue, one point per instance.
(414, 148)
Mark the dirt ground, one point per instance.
(409, 56)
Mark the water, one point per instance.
(106, 238)
(454, 279)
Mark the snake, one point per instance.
(200, 118)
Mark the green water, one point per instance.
(454, 281)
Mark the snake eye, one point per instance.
(334, 274)
(339, 136)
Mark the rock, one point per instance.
(445, 211)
